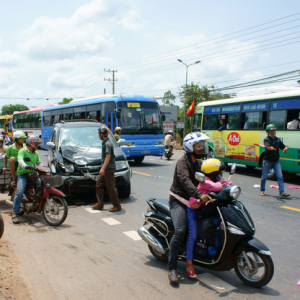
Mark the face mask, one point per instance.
(272, 135)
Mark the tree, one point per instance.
(168, 99)
(65, 101)
(9, 109)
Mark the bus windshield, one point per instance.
(140, 117)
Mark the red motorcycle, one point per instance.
(45, 199)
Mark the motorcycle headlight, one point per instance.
(44, 169)
(158, 143)
(122, 165)
(69, 168)
(235, 192)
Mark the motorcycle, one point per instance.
(167, 153)
(45, 199)
(225, 237)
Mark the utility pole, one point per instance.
(112, 72)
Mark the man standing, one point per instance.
(117, 133)
(107, 173)
(271, 160)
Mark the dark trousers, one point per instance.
(178, 214)
(109, 180)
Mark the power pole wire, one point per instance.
(112, 72)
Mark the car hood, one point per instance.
(87, 156)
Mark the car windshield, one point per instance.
(81, 137)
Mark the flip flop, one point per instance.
(262, 194)
(284, 195)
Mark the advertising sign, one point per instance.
(168, 126)
(170, 112)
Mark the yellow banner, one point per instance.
(133, 104)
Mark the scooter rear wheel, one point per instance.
(261, 272)
(57, 213)
(1, 226)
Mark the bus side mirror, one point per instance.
(118, 113)
(163, 117)
(189, 120)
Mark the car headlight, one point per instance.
(235, 192)
(69, 168)
(158, 143)
(122, 165)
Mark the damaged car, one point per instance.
(74, 151)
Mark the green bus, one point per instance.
(245, 121)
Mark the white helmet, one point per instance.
(170, 131)
(118, 128)
(191, 139)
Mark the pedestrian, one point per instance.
(271, 160)
(183, 187)
(118, 131)
(107, 173)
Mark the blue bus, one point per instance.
(138, 116)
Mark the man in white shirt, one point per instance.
(293, 125)
(168, 140)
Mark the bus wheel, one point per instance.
(139, 159)
(271, 174)
(210, 153)
(250, 167)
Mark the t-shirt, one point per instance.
(293, 125)
(3, 149)
(34, 156)
(168, 140)
(117, 137)
(273, 155)
(107, 147)
(12, 151)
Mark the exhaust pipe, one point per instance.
(151, 240)
(8, 202)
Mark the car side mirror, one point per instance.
(233, 169)
(163, 117)
(50, 145)
(200, 176)
(121, 142)
(27, 159)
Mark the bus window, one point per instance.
(253, 120)
(233, 121)
(210, 122)
(93, 112)
(293, 118)
(79, 112)
(278, 118)
(2, 121)
(197, 122)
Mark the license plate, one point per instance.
(146, 151)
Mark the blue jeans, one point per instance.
(21, 185)
(265, 169)
(192, 224)
(178, 214)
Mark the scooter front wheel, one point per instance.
(261, 271)
(57, 213)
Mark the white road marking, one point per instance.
(216, 283)
(111, 221)
(133, 235)
(92, 211)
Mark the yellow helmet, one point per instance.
(212, 165)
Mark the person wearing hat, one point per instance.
(107, 173)
(117, 133)
(271, 160)
(2, 146)
(6, 139)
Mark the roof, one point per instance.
(78, 124)
(33, 109)
(280, 95)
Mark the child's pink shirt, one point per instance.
(209, 186)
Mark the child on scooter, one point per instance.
(212, 168)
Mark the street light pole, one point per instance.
(186, 77)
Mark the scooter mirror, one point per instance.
(200, 176)
(233, 169)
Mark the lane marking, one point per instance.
(216, 283)
(133, 235)
(111, 221)
(92, 211)
(141, 173)
(291, 208)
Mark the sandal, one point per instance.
(262, 193)
(15, 220)
(284, 195)
(192, 274)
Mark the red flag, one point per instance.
(191, 109)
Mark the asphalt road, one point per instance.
(96, 255)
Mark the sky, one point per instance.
(56, 49)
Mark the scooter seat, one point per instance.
(162, 205)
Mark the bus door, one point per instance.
(110, 120)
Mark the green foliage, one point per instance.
(168, 99)
(9, 109)
(65, 101)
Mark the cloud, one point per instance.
(9, 59)
(58, 80)
(1, 42)
(86, 32)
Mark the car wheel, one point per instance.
(124, 191)
(139, 159)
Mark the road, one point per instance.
(97, 255)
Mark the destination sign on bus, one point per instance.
(212, 110)
(255, 106)
(230, 108)
(292, 103)
(133, 104)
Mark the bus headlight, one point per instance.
(123, 164)
(158, 143)
(235, 192)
